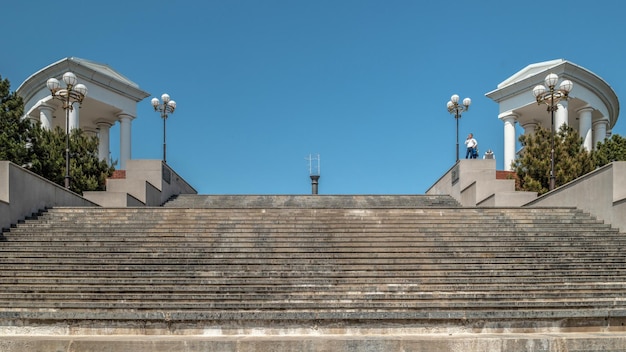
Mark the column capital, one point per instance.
(585, 109)
(603, 121)
(508, 115)
(103, 123)
(46, 114)
(46, 107)
(531, 123)
(125, 116)
(531, 126)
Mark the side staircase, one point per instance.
(312, 273)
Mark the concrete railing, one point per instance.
(23, 193)
(601, 193)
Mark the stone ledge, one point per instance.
(574, 342)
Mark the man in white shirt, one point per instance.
(471, 145)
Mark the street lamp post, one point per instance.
(167, 107)
(72, 93)
(457, 109)
(551, 97)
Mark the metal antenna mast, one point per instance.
(314, 171)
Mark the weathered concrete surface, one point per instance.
(258, 278)
(573, 342)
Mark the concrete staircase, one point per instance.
(272, 265)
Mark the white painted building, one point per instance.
(592, 108)
(111, 98)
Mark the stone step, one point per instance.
(442, 236)
(331, 252)
(311, 201)
(610, 301)
(289, 215)
(317, 225)
(250, 319)
(349, 214)
(393, 252)
(320, 220)
(546, 228)
(425, 281)
(258, 276)
(161, 214)
(363, 211)
(307, 300)
(184, 294)
(96, 286)
(387, 263)
(183, 258)
(172, 214)
(329, 270)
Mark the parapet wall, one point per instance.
(601, 192)
(23, 193)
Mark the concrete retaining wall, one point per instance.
(23, 193)
(601, 193)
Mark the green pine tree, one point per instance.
(15, 133)
(571, 160)
(609, 150)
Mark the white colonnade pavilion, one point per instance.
(111, 98)
(592, 108)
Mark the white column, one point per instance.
(103, 140)
(125, 139)
(560, 116)
(45, 116)
(509, 120)
(599, 131)
(584, 127)
(74, 118)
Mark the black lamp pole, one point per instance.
(456, 108)
(551, 97)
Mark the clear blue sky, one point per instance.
(261, 84)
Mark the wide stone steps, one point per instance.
(290, 257)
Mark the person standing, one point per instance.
(472, 145)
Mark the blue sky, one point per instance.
(261, 84)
